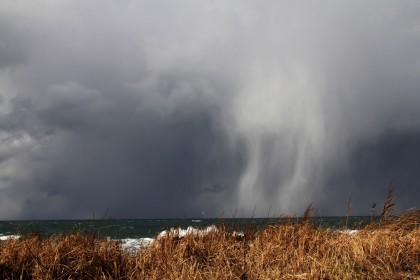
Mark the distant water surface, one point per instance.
(141, 228)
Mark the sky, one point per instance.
(179, 109)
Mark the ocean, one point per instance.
(150, 228)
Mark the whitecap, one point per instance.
(348, 231)
(134, 244)
(8, 237)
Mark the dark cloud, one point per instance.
(170, 112)
(372, 165)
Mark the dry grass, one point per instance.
(388, 249)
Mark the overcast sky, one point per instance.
(173, 109)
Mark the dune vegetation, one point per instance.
(386, 248)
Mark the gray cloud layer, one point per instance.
(171, 109)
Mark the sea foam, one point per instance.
(8, 237)
(134, 244)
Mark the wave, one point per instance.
(135, 244)
(8, 237)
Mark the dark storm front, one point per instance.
(149, 228)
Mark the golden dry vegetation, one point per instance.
(388, 249)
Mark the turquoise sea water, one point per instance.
(141, 228)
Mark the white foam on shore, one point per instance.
(8, 237)
(135, 244)
(348, 231)
(179, 232)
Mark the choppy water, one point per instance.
(133, 228)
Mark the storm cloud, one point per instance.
(147, 109)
